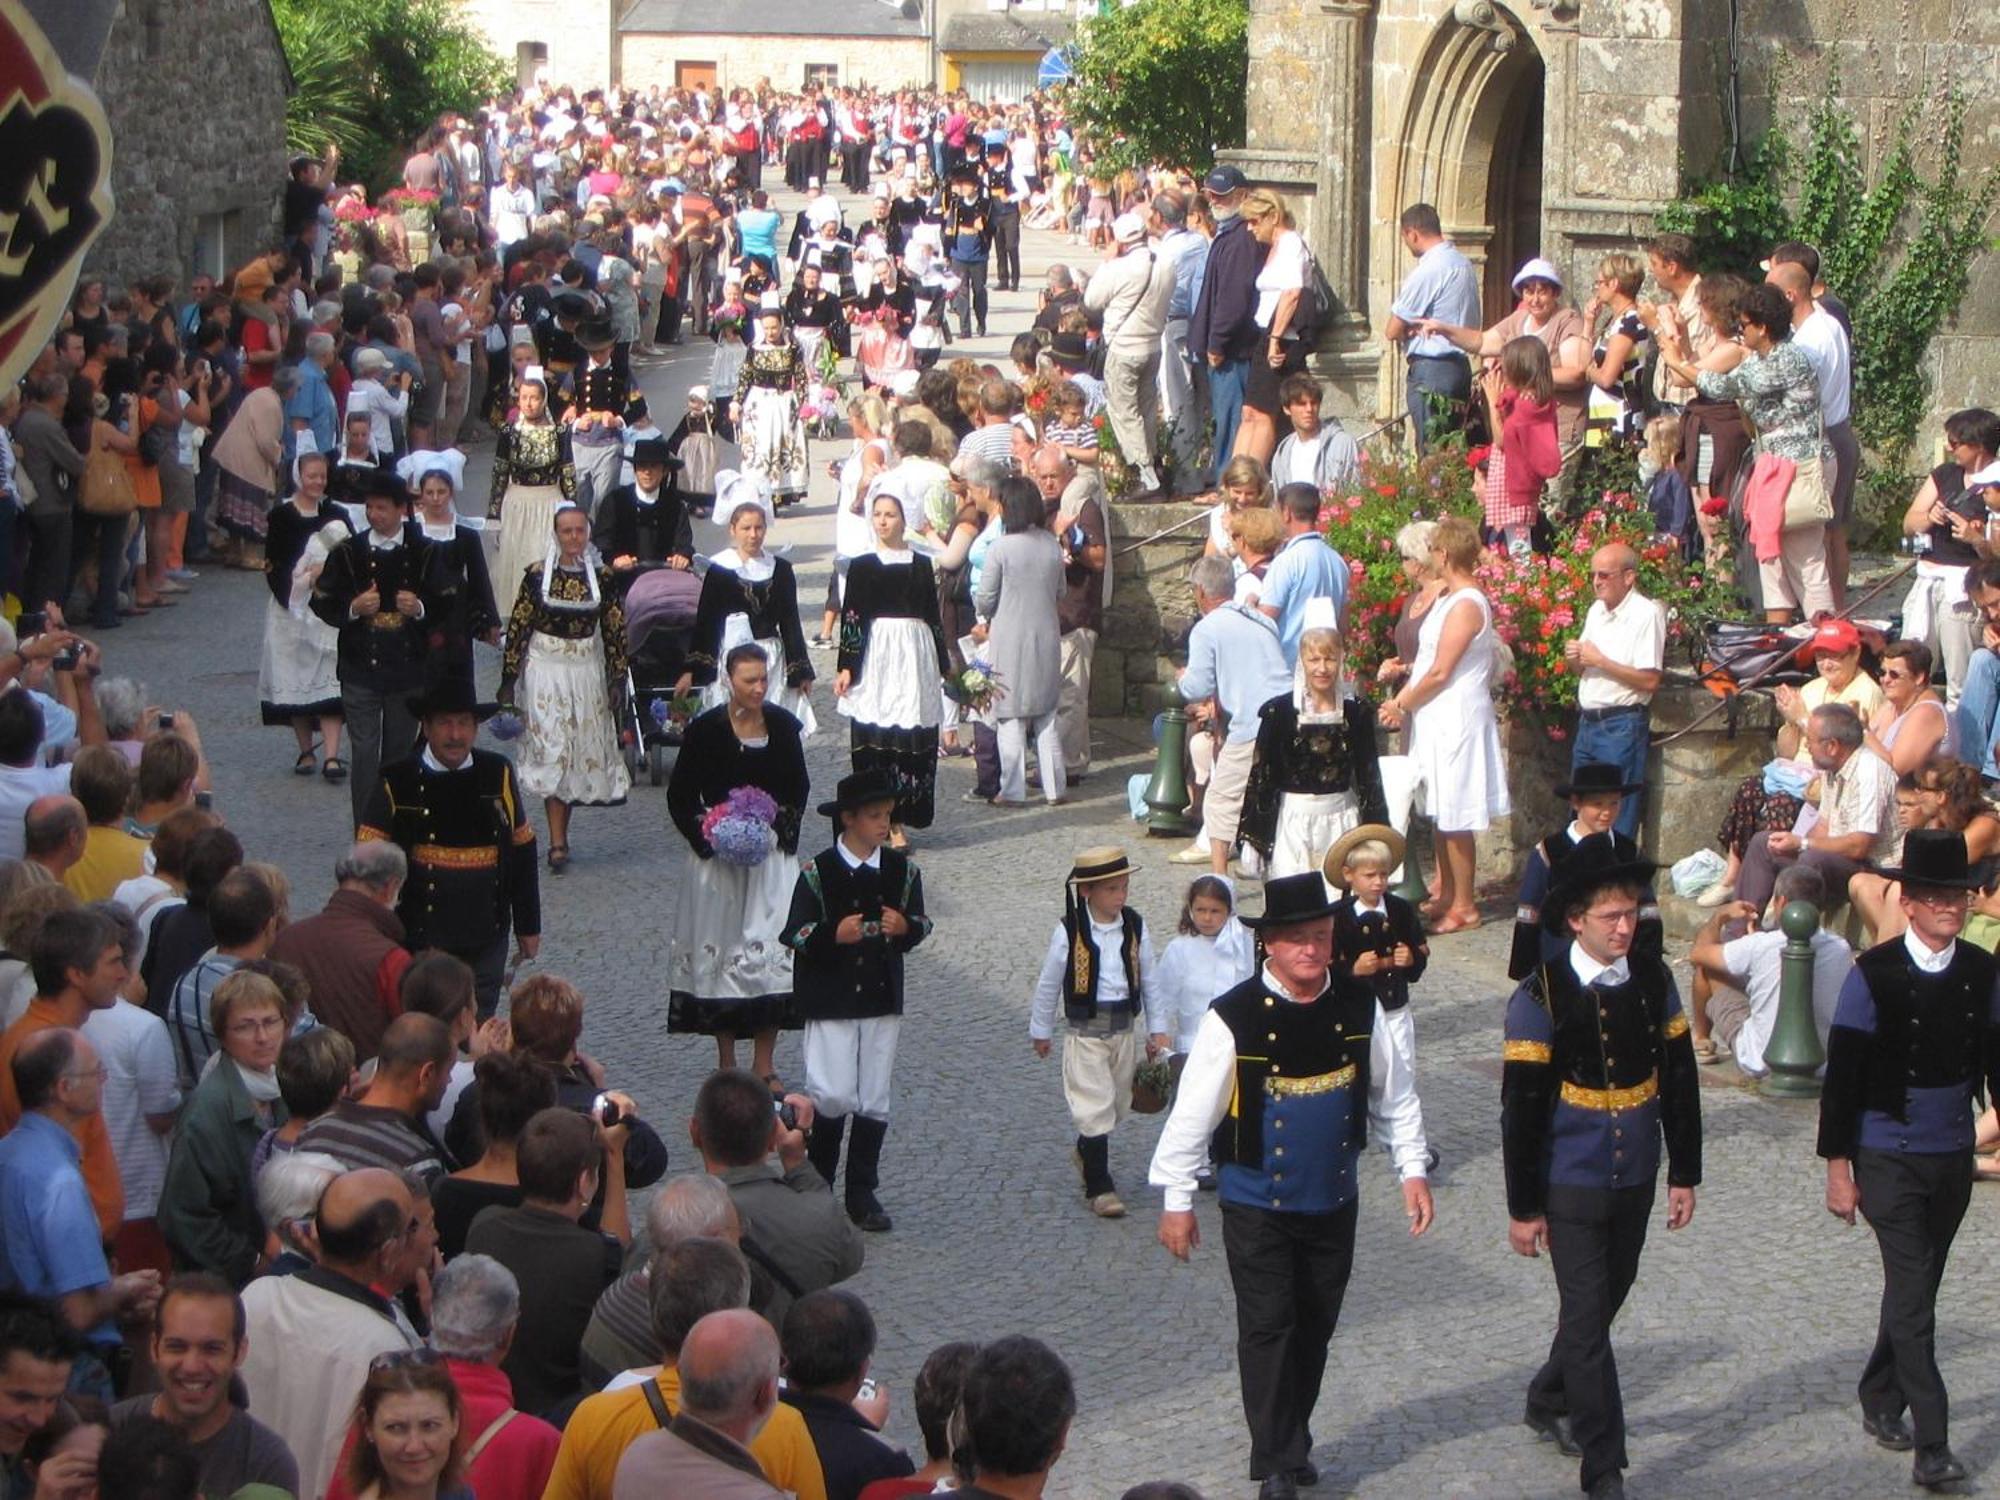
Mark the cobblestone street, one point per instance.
(1738, 1350)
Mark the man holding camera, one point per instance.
(70, 666)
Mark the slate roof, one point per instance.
(1003, 31)
(860, 18)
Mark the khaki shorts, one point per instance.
(1222, 805)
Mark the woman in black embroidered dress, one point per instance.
(566, 652)
(892, 661)
(532, 475)
(770, 387)
(749, 595)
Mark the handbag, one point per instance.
(107, 485)
(155, 443)
(1808, 502)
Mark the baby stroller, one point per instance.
(659, 620)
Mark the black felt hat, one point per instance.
(857, 790)
(1596, 779)
(1070, 349)
(1934, 857)
(595, 334)
(1595, 862)
(374, 482)
(1292, 899)
(451, 697)
(653, 451)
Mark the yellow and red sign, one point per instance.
(55, 185)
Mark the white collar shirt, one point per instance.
(1633, 635)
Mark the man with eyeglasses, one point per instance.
(1914, 1034)
(313, 1335)
(1619, 660)
(1856, 822)
(1597, 1068)
(50, 1246)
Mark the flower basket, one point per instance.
(1152, 1086)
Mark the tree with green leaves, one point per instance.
(1162, 80)
(372, 75)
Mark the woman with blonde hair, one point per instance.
(1455, 734)
(1617, 402)
(1413, 546)
(1281, 350)
(1245, 485)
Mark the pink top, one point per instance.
(1528, 434)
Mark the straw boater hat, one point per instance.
(1335, 863)
(1105, 862)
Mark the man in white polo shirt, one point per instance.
(1620, 658)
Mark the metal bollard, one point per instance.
(1167, 792)
(1795, 1054)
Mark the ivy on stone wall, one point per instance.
(1897, 244)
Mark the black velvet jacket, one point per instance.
(1278, 1038)
(713, 762)
(384, 651)
(1356, 933)
(835, 981)
(1311, 759)
(773, 610)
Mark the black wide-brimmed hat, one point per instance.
(451, 697)
(571, 305)
(857, 790)
(1594, 863)
(1934, 857)
(1070, 349)
(373, 482)
(653, 451)
(594, 334)
(1292, 899)
(1594, 778)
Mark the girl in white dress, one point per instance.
(1213, 954)
(1455, 734)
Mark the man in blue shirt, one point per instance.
(1234, 658)
(1223, 327)
(1306, 568)
(50, 1244)
(1443, 287)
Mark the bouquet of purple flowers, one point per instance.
(742, 828)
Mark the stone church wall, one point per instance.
(195, 91)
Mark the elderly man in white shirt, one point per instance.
(1132, 291)
(1856, 822)
(1620, 659)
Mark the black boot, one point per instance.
(1093, 1159)
(864, 1163)
(823, 1145)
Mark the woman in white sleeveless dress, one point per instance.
(1454, 733)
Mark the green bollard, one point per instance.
(1412, 888)
(1167, 793)
(1795, 1054)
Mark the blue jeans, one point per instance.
(1228, 383)
(1427, 376)
(1618, 740)
(1978, 707)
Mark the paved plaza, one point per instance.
(1738, 1351)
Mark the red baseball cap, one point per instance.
(1837, 636)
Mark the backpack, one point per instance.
(1317, 305)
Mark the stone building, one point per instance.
(993, 49)
(195, 91)
(1559, 127)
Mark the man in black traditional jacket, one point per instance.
(857, 908)
(1914, 1033)
(1596, 1066)
(458, 815)
(645, 523)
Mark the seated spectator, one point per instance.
(101, 780)
(545, 1017)
(289, 1186)
(142, 1099)
(729, 1391)
(1017, 1406)
(183, 934)
(403, 1439)
(79, 967)
(512, 1090)
(208, 1208)
(37, 1352)
(151, 896)
(53, 834)
(475, 1305)
(315, 1072)
(828, 1340)
(1741, 976)
(383, 1125)
(332, 1310)
(694, 1279)
(564, 1266)
(198, 1347)
(352, 952)
(786, 1204)
(939, 1388)
(50, 1242)
(244, 920)
(619, 1348)
(27, 906)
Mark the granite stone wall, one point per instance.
(195, 91)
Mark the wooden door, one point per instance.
(694, 75)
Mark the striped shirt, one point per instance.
(372, 1135)
(194, 1039)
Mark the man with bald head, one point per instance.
(313, 1335)
(1822, 334)
(53, 834)
(729, 1389)
(1619, 659)
(1079, 518)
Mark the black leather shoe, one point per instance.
(1305, 1476)
(1551, 1427)
(1607, 1487)
(1935, 1466)
(1891, 1431)
(1278, 1487)
(868, 1214)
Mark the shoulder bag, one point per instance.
(107, 484)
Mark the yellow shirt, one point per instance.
(111, 856)
(603, 1426)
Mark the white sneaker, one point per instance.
(1194, 854)
(1715, 895)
